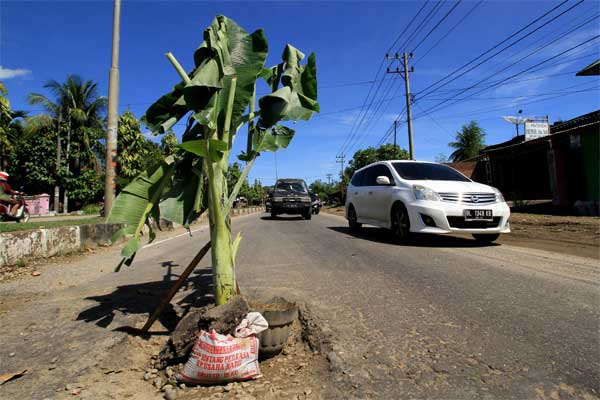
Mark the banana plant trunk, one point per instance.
(222, 246)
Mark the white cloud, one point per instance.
(7, 73)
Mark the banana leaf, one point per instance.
(136, 202)
(297, 99)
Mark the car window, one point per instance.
(373, 172)
(357, 178)
(428, 171)
(291, 187)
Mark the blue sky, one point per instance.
(47, 40)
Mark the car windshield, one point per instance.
(291, 187)
(428, 171)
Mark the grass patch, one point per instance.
(12, 227)
(91, 209)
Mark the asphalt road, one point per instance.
(440, 318)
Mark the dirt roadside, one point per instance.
(579, 236)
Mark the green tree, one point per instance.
(76, 112)
(154, 154)
(217, 92)
(168, 144)
(469, 142)
(233, 175)
(130, 149)
(32, 162)
(367, 156)
(323, 189)
(9, 127)
(441, 158)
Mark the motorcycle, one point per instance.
(315, 206)
(22, 212)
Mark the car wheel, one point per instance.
(307, 214)
(401, 224)
(486, 237)
(353, 223)
(273, 214)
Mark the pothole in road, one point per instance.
(298, 371)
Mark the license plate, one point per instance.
(478, 215)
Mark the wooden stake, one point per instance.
(167, 299)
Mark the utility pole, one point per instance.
(340, 160)
(67, 156)
(395, 124)
(113, 113)
(57, 185)
(405, 75)
(329, 177)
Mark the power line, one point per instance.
(509, 83)
(436, 107)
(421, 25)
(505, 48)
(360, 117)
(436, 25)
(500, 71)
(512, 105)
(493, 48)
(449, 32)
(516, 97)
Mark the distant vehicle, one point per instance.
(315, 203)
(22, 214)
(290, 196)
(424, 197)
(268, 205)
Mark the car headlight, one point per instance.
(423, 193)
(499, 196)
(277, 199)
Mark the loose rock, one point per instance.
(170, 394)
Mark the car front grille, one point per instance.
(460, 223)
(468, 198)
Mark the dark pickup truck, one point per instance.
(290, 196)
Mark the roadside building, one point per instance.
(563, 167)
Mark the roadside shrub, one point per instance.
(92, 209)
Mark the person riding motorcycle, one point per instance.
(6, 191)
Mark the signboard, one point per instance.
(536, 129)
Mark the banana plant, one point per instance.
(218, 98)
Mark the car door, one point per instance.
(369, 185)
(356, 194)
(379, 196)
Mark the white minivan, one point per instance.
(424, 197)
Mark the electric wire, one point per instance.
(436, 25)
(504, 48)
(436, 108)
(361, 115)
(504, 69)
(448, 32)
(434, 84)
(421, 25)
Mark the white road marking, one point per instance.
(173, 237)
(194, 231)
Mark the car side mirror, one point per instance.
(383, 180)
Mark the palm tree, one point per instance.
(78, 108)
(469, 141)
(8, 129)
